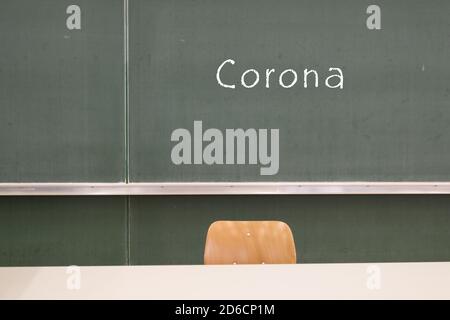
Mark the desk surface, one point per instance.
(301, 281)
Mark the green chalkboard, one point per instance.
(62, 91)
(388, 122)
(378, 112)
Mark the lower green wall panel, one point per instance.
(327, 229)
(165, 230)
(46, 231)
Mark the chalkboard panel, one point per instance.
(388, 122)
(63, 231)
(61, 91)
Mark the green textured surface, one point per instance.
(327, 229)
(45, 231)
(390, 122)
(61, 92)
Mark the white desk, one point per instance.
(301, 281)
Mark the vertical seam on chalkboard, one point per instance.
(126, 93)
(128, 239)
(127, 129)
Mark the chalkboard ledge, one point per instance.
(222, 188)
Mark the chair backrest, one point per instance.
(249, 242)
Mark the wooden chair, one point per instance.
(249, 242)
